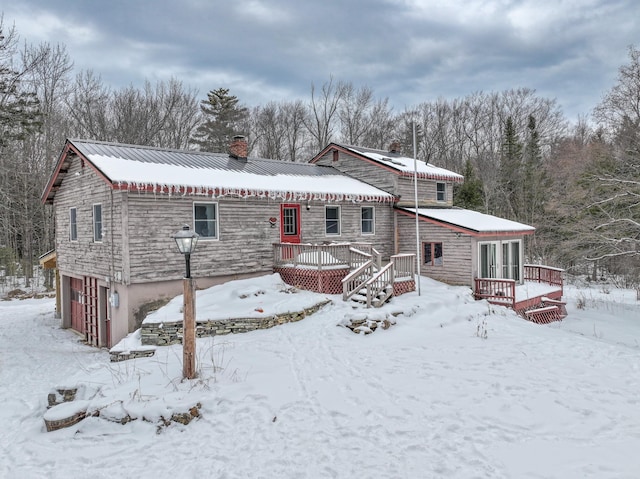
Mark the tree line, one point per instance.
(577, 183)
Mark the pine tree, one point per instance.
(534, 178)
(224, 118)
(469, 194)
(510, 171)
(20, 117)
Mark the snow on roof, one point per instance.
(405, 164)
(305, 182)
(472, 220)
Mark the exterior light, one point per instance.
(186, 241)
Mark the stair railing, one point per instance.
(380, 286)
(355, 281)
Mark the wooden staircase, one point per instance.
(551, 310)
(372, 285)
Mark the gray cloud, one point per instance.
(408, 50)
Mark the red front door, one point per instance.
(290, 223)
(77, 311)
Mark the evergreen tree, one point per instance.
(469, 194)
(19, 107)
(534, 178)
(20, 118)
(510, 171)
(224, 118)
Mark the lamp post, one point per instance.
(187, 241)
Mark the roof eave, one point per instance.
(466, 230)
(59, 173)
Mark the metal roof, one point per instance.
(198, 159)
(137, 167)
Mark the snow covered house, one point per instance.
(457, 246)
(331, 225)
(117, 206)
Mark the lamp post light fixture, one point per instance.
(187, 241)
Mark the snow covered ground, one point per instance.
(455, 389)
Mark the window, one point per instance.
(432, 254)
(332, 220)
(367, 214)
(441, 192)
(205, 220)
(97, 222)
(73, 224)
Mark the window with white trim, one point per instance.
(205, 220)
(97, 222)
(441, 192)
(73, 224)
(332, 220)
(368, 220)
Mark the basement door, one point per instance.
(77, 310)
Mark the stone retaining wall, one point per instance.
(116, 357)
(164, 334)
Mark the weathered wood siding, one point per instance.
(389, 181)
(427, 192)
(457, 251)
(245, 237)
(313, 225)
(243, 244)
(362, 170)
(81, 189)
(146, 252)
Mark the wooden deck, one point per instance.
(354, 270)
(542, 288)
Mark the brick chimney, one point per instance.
(238, 147)
(395, 147)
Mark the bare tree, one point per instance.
(182, 114)
(381, 130)
(323, 111)
(622, 102)
(354, 113)
(269, 131)
(296, 137)
(88, 106)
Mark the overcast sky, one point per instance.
(407, 50)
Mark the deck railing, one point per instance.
(503, 291)
(543, 274)
(362, 259)
(380, 286)
(404, 266)
(496, 290)
(325, 256)
(378, 282)
(355, 281)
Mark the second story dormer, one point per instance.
(393, 172)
